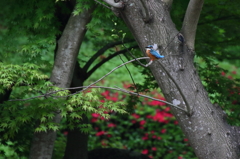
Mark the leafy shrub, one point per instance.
(151, 130)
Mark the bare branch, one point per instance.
(190, 22)
(112, 71)
(101, 51)
(130, 74)
(114, 4)
(102, 4)
(117, 89)
(107, 59)
(178, 88)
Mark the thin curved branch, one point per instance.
(190, 22)
(114, 4)
(133, 55)
(180, 91)
(101, 51)
(141, 95)
(107, 59)
(130, 75)
(110, 73)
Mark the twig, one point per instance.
(130, 75)
(114, 4)
(102, 4)
(133, 55)
(180, 91)
(94, 68)
(109, 74)
(101, 51)
(111, 3)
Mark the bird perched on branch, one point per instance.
(152, 52)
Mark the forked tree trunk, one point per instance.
(204, 125)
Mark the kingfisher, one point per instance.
(153, 53)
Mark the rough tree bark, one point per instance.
(204, 125)
(62, 73)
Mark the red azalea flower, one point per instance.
(180, 157)
(150, 156)
(185, 139)
(109, 135)
(93, 120)
(145, 151)
(154, 103)
(110, 125)
(154, 136)
(103, 143)
(102, 118)
(100, 133)
(223, 73)
(105, 94)
(159, 138)
(167, 109)
(176, 122)
(149, 116)
(144, 138)
(114, 99)
(230, 77)
(163, 131)
(136, 116)
(142, 122)
(95, 115)
(65, 133)
(154, 148)
(133, 121)
(126, 85)
(161, 115)
(234, 72)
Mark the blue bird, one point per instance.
(153, 54)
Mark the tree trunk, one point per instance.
(62, 73)
(77, 141)
(204, 124)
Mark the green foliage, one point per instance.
(81, 5)
(222, 90)
(19, 75)
(8, 151)
(28, 30)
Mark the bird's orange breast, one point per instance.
(150, 55)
